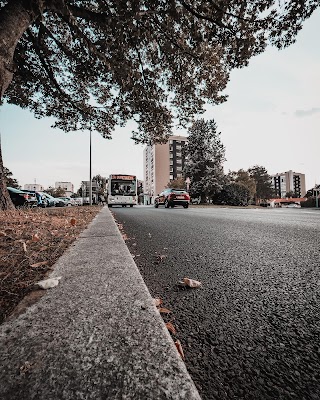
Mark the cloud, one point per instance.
(305, 113)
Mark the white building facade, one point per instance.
(289, 181)
(66, 186)
(34, 187)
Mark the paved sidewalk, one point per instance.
(95, 336)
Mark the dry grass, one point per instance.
(30, 243)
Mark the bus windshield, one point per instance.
(123, 187)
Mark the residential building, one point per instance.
(34, 186)
(289, 181)
(163, 163)
(66, 186)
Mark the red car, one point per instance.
(172, 197)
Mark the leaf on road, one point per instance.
(179, 348)
(39, 264)
(157, 302)
(192, 283)
(73, 221)
(171, 328)
(49, 283)
(164, 310)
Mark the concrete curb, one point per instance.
(95, 336)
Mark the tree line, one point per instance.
(204, 157)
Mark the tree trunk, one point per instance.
(5, 200)
(15, 18)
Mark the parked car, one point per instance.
(22, 199)
(60, 202)
(68, 201)
(44, 199)
(172, 197)
(51, 201)
(293, 205)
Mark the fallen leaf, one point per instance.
(171, 328)
(157, 302)
(24, 246)
(73, 221)
(164, 310)
(49, 283)
(35, 238)
(3, 233)
(179, 348)
(39, 264)
(190, 283)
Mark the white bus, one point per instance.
(122, 190)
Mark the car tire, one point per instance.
(166, 204)
(131, 205)
(156, 205)
(185, 205)
(110, 205)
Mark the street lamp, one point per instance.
(90, 178)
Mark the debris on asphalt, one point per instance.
(171, 328)
(192, 283)
(157, 302)
(164, 310)
(179, 348)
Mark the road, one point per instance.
(252, 331)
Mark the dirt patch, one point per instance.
(31, 241)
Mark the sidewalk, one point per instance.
(97, 335)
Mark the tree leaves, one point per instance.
(96, 66)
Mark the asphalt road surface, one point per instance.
(252, 331)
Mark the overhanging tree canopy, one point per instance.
(99, 63)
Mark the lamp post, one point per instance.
(90, 177)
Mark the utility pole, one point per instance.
(90, 178)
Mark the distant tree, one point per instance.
(58, 192)
(264, 189)
(243, 177)
(178, 183)
(205, 155)
(10, 181)
(101, 184)
(291, 194)
(310, 192)
(233, 194)
(96, 63)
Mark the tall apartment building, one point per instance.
(163, 163)
(289, 182)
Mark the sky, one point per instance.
(271, 118)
